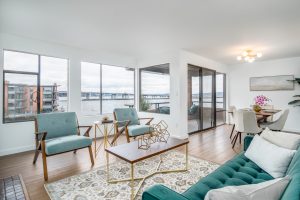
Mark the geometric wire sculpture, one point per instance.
(157, 133)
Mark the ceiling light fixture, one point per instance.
(249, 56)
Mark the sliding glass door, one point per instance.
(194, 81)
(201, 98)
(208, 99)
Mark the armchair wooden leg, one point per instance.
(127, 136)
(44, 161)
(74, 151)
(91, 155)
(36, 155)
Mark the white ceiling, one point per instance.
(217, 29)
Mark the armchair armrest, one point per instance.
(161, 192)
(247, 142)
(150, 119)
(87, 132)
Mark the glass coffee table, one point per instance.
(130, 153)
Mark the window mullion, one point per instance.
(101, 90)
(39, 85)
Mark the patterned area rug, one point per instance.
(92, 185)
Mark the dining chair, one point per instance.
(278, 124)
(232, 110)
(127, 120)
(246, 122)
(57, 133)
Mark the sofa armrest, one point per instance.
(161, 192)
(247, 141)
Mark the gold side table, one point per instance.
(107, 129)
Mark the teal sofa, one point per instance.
(237, 171)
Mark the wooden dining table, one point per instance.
(262, 115)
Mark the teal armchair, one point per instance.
(127, 120)
(57, 133)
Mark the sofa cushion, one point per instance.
(136, 130)
(66, 143)
(273, 159)
(57, 124)
(238, 171)
(282, 139)
(272, 189)
(292, 192)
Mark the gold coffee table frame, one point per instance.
(177, 143)
(108, 128)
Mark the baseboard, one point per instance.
(10, 151)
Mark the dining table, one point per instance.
(262, 115)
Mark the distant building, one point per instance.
(20, 100)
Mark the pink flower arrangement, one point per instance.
(261, 100)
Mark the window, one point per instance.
(90, 88)
(54, 84)
(155, 89)
(117, 88)
(105, 87)
(32, 84)
(220, 99)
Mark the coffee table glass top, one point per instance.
(130, 152)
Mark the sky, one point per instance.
(121, 80)
(53, 70)
(114, 79)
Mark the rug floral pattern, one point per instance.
(92, 185)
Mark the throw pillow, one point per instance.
(270, 157)
(282, 139)
(271, 190)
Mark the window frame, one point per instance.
(101, 86)
(140, 88)
(38, 74)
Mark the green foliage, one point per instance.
(144, 104)
(296, 102)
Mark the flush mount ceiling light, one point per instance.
(249, 56)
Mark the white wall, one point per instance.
(241, 96)
(17, 137)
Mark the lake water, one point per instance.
(92, 107)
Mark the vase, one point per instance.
(256, 108)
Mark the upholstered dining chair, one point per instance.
(232, 110)
(278, 124)
(57, 133)
(127, 120)
(245, 122)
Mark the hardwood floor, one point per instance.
(213, 145)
